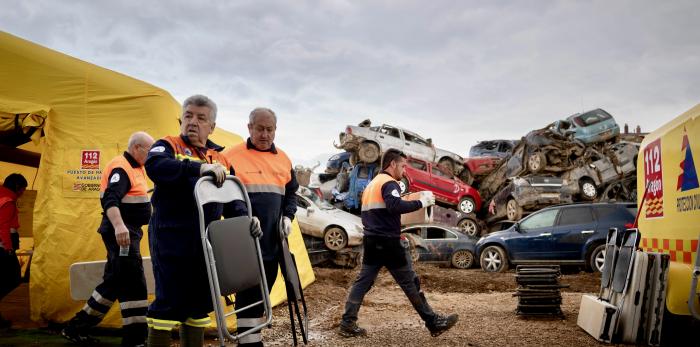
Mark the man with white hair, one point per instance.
(126, 206)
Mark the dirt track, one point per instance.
(483, 301)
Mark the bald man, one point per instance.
(126, 206)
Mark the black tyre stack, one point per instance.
(538, 290)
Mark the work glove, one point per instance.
(427, 198)
(14, 236)
(255, 229)
(122, 235)
(217, 171)
(286, 226)
(492, 207)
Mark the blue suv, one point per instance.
(564, 234)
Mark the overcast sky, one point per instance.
(455, 71)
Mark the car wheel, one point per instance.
(513, 210)
(466, 176)
(447, 164)
(462, 259)
(403, 184)
(596, 260)
(588, 189)
(469, 227)
(335, 239)
(466, 205)
(536, 162)
(494, 259)
(368, 153)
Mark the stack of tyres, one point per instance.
(538, 291)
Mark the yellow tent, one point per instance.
(77, 116)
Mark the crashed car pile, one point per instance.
(581, 158)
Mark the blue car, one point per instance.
(565, 234)
(360, 176)
(336, 162)
(593, 126)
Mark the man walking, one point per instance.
(382, 207)
(267, 174)
(126, 206)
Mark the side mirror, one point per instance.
(516, 227)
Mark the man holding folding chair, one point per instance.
(382, 207)
(174, 164)
(267, 174)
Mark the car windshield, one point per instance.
(591, 118)
(322, 204)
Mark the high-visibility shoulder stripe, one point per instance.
(136, 199)
(373, 205)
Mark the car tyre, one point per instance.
(513, 210)
(596, 259)
(447, 164)
(469, 227)
(462, 259)
(403, 185)
(588, 190)
(466, 176)
(368, 152)
(494, 259)
(536, 162)
(466, 205)
(335, 238)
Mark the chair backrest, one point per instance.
(610, 255)
(625, 261)
(205, 191)
(235, 253)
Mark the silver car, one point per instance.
(318, 218)
(616, 162)
(368, 143)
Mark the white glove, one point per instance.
(218, 170)
(427, 198)
(255, 229)
(286, 226)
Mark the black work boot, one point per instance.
(78, 336)
(191, 336)
(441, 323)
(351, 329)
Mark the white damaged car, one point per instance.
(318, 218)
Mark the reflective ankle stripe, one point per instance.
(198, 323)
(133, 304)
(162, 324)
(101, 300)
(132, 320)
(93, 312)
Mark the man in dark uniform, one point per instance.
(382, 207)
(174, 164)
(267, 174)
(124, 198)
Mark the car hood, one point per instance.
(344, 216)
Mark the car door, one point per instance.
(439, 242)
(305, 218)
(419, 175)
(417, 147)
(534, 236)
(390, 137)
(444, 187)
(574, 227)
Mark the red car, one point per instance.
(423, 175)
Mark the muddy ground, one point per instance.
(483, 301)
